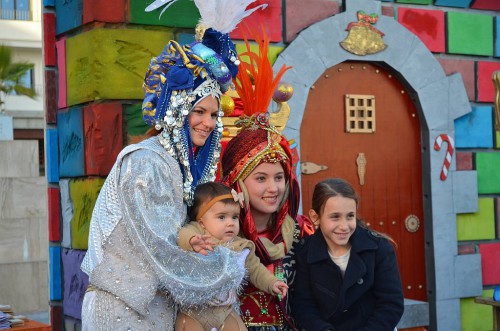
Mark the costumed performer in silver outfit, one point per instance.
(137, 274)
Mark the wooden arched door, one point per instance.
(391, 198)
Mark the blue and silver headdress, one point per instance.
(183, 75)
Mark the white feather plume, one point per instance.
(224, 15)
(158, 3)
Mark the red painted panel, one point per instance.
(49, 39)
(300, 14)
(102, 124)
(466, 69)
(112, 11)
(485, 87)
(490, 255)
(54, 218)
(270, 18)
(486, 4)
(56, 318)
(464, 160)
(466, 249)
(497, 202)
(428, 25)
(50, 96)
(388, 11)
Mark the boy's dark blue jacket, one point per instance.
(369, 298)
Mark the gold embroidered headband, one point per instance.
(235, 196)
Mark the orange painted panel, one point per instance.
(393, 180)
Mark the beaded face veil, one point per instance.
(181, 76)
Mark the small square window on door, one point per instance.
(359, 113)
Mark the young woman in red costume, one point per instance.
(258, 163)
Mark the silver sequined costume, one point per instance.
(135, 267)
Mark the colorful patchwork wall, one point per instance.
(96, 54)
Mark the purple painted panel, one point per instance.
(75, 282)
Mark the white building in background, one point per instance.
(21, 30)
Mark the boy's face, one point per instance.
(222, 221)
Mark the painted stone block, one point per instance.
(467, 70)
(475, 316)
(110, 63)
(470, 33)
(453, 3)
(418, 2)
(110, 11)
(486, 4)
(488, 176)
(485, 87)
(50, 96)
(301, 14)
(49, 39)
(84, 194)
(19, 158)
(273, 51)
(497, 204)
(48, 3)
(490, 257)
(388, 11)
(475, 129)
(55, 273)
(66, 211)
(71, 143)
(182, 14)
(24, 285)
(466, 249)
(61, 67)
(464, 160)
(134, 125)
(69, 15)
(479, 225)
(428, 25)
(497, 37)
(75, 282)
(269, 18)
(51, 155)
(56, 317)
(102, 125)
(54, 210)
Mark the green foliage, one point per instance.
(11, 73)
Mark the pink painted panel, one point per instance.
(300, 14)
(464, 160)
(490, 255)
(485, 87)
(61, 66)
(428, 25)
(269, 18)
(466, 69)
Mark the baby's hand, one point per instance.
(280, 288)
(202, 243)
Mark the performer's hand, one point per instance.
(280, 288)
(202, 243)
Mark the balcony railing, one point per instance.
(15, 14)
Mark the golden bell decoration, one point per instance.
(227, 105)
(283, 92)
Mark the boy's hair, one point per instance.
(337, 187)
(206, 192)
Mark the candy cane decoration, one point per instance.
(449, 153)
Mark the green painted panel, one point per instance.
(470, 33)
(273, 51)
(110, 63)
(488, 174)
(475, 316)
(84, 194)
(498, 139)
(479, 225)
(182, 14)
(134, 125)
(419, 2)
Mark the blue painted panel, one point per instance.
(69, 15)
(71, 143)
(185, 38)
(453, 3)
(48, 3)
(55, 275)
(475, 130)
(52, 163)
(497, 36)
